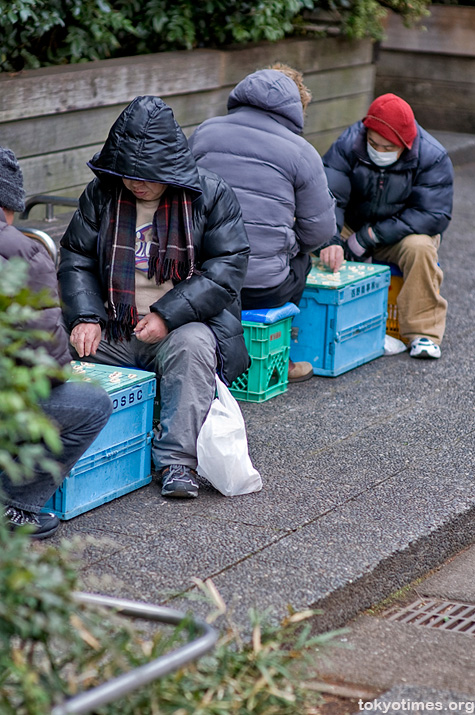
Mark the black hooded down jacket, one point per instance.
(412, 196)
(146, 143)
(41, 276)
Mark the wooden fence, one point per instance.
(432, 67)
(54, 119)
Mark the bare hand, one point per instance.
(332, 256)
(151, 329)
(85, 338)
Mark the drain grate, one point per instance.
(447, 615)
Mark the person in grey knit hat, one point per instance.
(79, 411)
(12, 194)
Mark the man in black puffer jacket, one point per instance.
(152, 265)
(79, 410)
(393, 183)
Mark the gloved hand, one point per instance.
(354, 251)
(360, 244)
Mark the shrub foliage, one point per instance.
(51, 648)
(25, 374)
(49, 32)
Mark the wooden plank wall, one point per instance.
(55, 119)
(432, 67)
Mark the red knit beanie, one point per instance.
(393, 118)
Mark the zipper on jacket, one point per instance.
(379, 191)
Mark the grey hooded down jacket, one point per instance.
(146, 143)
(277, 175)
(41, 276)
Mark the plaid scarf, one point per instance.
(171, 254)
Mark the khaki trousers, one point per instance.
(421, 309)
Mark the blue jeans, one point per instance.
(79, 410)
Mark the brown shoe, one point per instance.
(300, 371)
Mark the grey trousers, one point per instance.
(185, 365)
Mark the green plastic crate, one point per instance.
(268, 347)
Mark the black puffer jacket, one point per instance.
(42, 275)
(147, 143)
(414, 195)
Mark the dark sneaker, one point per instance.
(179, 482)
(44, 525)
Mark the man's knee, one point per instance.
(417, 250)
(78, 407)
(194, 341)
(93, 399)
(418, 245)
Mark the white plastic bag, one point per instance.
(393, 346)
(222, 452)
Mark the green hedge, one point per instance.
(38, 33)
(25, 377)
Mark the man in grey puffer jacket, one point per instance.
(280, 183)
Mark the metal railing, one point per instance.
(49, 203)
(43, 238)
(138, 677)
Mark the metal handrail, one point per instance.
(45, 239)
(49, 202)
(165, 664)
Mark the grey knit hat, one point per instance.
(12, 195)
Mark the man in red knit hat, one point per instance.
(393, 183)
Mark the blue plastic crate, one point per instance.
(102, 477)
(342, 319)
(119, 459)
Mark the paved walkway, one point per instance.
(368, 481)
(418, 647)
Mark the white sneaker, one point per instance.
(424, 348)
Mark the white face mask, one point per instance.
(382, 158)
